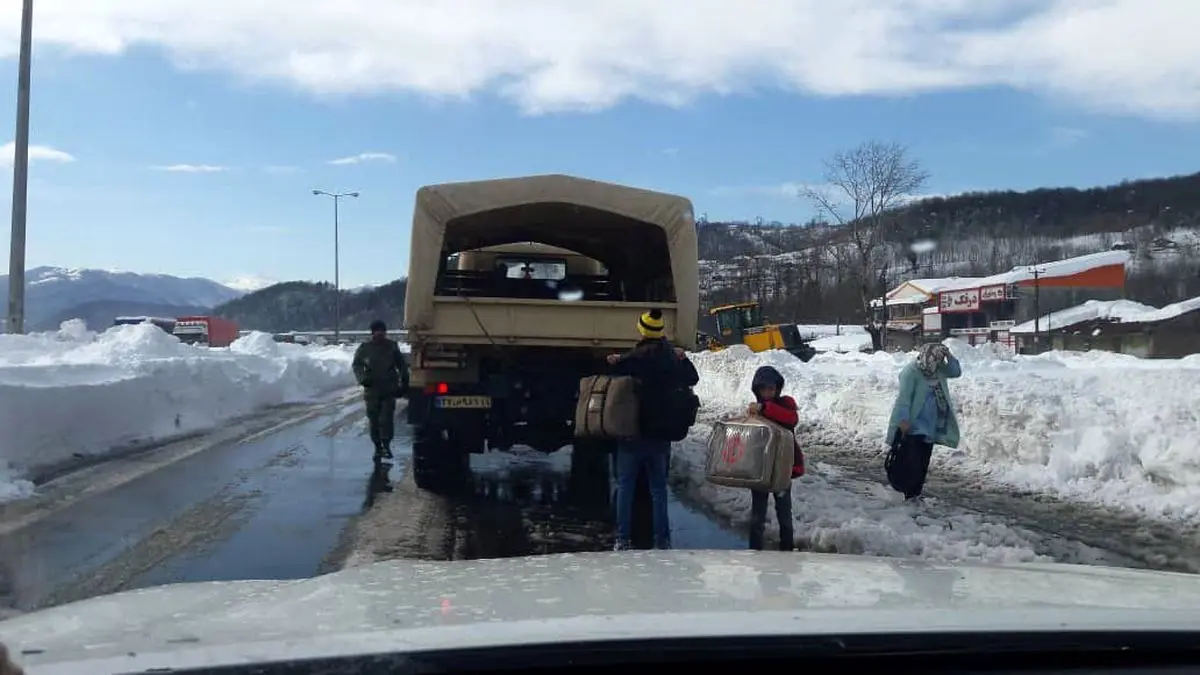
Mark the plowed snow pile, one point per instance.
(76, 393)
(1092, 426)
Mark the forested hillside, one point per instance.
(811, 272)
(305, 305)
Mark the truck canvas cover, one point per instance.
(454, 217)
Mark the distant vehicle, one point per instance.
(164, 323)
(206, 330)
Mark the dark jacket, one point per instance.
(781, 410)
(659, 370)
(380, 368)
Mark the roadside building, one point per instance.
(984, 309)
(1120, 326)
(904, 305)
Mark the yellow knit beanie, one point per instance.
(651, 324)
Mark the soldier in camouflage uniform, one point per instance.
(381, 370)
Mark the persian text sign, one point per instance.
(959, 301)
(991, 293)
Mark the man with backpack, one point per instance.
(666, 409)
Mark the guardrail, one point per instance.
(346, 335)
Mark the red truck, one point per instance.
(206, 330)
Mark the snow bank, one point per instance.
(851, 342)
(75, 393)
(1094, 426)
(812, 331)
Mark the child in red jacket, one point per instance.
(773, 405)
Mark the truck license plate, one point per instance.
(464, 402)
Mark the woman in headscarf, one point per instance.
(922, 416)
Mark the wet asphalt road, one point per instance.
(281, 505)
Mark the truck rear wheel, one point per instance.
(438, 464)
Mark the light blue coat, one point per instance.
(914, 392)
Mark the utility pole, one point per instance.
(883, 326)
(1037, 310)
(16, 251)
(337, 283)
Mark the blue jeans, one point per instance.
(654, 457)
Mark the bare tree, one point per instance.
(863, 188)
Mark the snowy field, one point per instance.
(74, 393)
(1091, 427)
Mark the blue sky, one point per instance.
(732, 109)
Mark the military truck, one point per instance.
(519, 287)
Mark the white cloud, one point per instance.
(789, 190)
(364, 157)
(1066, 136)
(1130, 56)
(191, 168)
(37, 153)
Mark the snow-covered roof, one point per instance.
(917, 291)
(1171, 311)
(929, 286)
(1050, 270)
(908, 299)
(1117, 311)
(920, 291)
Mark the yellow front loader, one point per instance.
(742, 323)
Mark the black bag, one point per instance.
(680, 407)
(680, 403)
(902, 466)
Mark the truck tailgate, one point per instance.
(516, 321)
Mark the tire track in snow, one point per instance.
(1136, 540)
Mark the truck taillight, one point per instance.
(439, 388)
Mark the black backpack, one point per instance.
(680, 405)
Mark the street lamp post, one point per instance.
(337, 285)
(16, 252)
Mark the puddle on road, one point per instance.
(525, 502)
(515, 503)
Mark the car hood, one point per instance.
(418, 605)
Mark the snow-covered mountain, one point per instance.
(53, 294)
(250, 283)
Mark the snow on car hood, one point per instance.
(432, 605)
